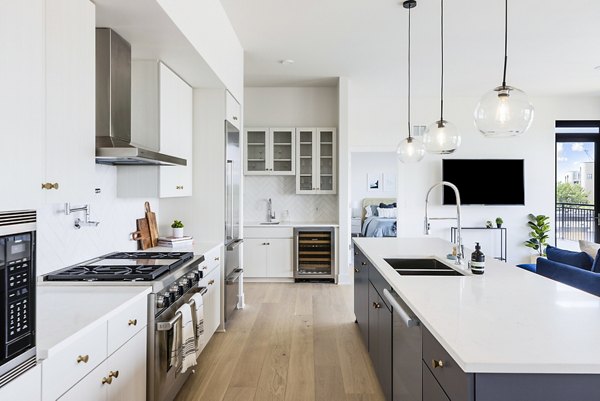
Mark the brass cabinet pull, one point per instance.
(356, 270)
(363, 263)
(204, 267)
(49, 185)
(376, 305)
(437, 363)
(132, 322)
(179, 187)
(211, 282)
(234, 118)
(83, 358)
(113, 373)
(217, 258)
(355, 253)
(107, 380)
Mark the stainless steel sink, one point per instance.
(421, 267)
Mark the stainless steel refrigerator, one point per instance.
(234, 290)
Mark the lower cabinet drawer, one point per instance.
(65, 368)
(127, 323)
(431, 388)
(458, 385)
(212, 258)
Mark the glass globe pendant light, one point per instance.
(441, 137)
(410, 149)
(505, 110)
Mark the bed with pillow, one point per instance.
(378, 217)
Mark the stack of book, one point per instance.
(175, 242)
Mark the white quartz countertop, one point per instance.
(508, 320)
(291, 224)
(65, 313)
(198, 247)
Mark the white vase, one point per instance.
(178, 232)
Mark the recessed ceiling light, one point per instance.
(286, 61)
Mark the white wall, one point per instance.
(363, 163)
(288, 107)
(60, 244)
(376, 122)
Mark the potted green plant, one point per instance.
(538, 236)
(177, 227)
(499, 222)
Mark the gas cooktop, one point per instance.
(123, 266)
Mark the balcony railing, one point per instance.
(575, 221)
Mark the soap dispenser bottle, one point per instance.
(477, 260)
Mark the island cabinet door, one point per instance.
(361, 294)
(380, 341)
(432, 391)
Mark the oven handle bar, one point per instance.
(168, 325)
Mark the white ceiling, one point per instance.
(554, 45)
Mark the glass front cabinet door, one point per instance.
(270, 151)
(316, 159)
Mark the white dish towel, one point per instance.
(187, 350)
(200, 337)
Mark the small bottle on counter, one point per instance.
(477, 260)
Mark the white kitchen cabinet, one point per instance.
(270, 151)
(27, 386)
(268, 258)
(212, 302)
(161, 120)
(317, 161)
(233, 110)
(121, 377)
(70, 33)
(21, 103)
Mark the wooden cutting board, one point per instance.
(153, 227)
(142, 235)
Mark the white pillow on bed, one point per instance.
(368, 211)
(390, 213)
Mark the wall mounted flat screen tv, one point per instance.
(485, 181)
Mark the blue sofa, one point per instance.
(576, 269)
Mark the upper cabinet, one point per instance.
(70, 100)
(233, 111)
(21, 103)
(270, 151)
(317, 161)
(162, 120)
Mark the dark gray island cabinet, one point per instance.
(411, 364)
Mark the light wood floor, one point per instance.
(293, 342)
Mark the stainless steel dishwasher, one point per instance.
(406, 351)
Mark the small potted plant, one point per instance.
(177, 227)
(488, 224)
(499, 222)
(538, 236)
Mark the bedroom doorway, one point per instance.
(373, 193)
(577, 189)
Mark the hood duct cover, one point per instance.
(113, 107)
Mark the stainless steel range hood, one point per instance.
(113, 107)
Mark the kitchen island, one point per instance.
(508, 329)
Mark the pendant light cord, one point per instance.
(505, 42)
(442, 50)
(409, 133)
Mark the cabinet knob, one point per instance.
(437, 363)
(363, 263)
(113, 373)
(376, 305)
(132, 322)
(49, 185)
(234, 118)
(355, 253)
(83, 358)
(211, 282)
(218, 258)
(179, 187)
(107, 380)
(356, 270)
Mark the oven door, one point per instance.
(166, 377)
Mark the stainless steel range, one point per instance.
(174, 277)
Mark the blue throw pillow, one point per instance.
(390, 206)
(577, 259)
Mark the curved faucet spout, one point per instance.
(460, 251)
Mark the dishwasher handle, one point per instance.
(408, 321)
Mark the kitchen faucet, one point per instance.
(270, 212)
(460, 254)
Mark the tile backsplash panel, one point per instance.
(282, 191)
(60, 244)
